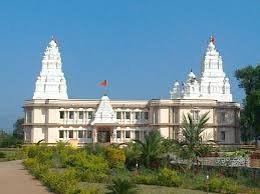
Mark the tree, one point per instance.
(18, 129)
(7, 140)
(192, 146)
(150, 148)
(249, 80)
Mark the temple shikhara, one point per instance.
(52, 116)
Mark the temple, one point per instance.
(212, 82)
(52, 117)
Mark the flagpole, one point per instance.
(104, 85)
(105, 91)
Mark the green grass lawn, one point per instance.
(144, 189)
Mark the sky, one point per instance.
(139, 46)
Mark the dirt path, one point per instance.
(14, 179)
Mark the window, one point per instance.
(137, 115)
(80, 114)
(90, 114)
(29, 116)
(127, 115)
(89, 134)
(70, 134)
(118, 115)
(222, 135)
(195, 115)
(61, 114)
(146, 115)
(137, 134)
(222, 117)
(127, 134)
(71, 115)
(80, 134)
(118, 134)
(61, 134)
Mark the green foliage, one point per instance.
(168, 177)
(63, 182)
(150, 148)
(62, 167)
(93, 168)
(198, 182)
(90, 190)
(115, 157)
(122, 186)
(7, 140)
(15, 139)
(249, 79)
(18, 129)
(43, 154)
(132, 154)
(147, 179)
(2, 155)
(223, 185)
(193, 146)
(36, 168)
(192, 130)
(95, 148)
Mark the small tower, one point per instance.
(175, 93)
(51, 83)
(191, 89)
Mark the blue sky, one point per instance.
(140, 47)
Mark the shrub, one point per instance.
(223, 185)
(41, 152)
(168, 177)
(230, 186)
(93, 168)
(62, 183)
(115, 157)
(198, 182)
(2, 155)
(147, 179)
(37, 169)
(21, 153)
(90, 190)
(121, 186)
(215, 184)
(95, 148)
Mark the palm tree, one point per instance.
(121, 186)
(150, 147)
(192, 144)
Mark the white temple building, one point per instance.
(212, 82)
(51, 116)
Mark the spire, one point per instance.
(51, 83)
(212, 75)
(105, 113)
(211, 44)
(212, 39)
(212, 61)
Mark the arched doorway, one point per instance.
(104, 135)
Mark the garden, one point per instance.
(153, 165)
(132, 167)
(98, 169)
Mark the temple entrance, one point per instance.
(103, 136)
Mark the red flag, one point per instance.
(103, 83)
